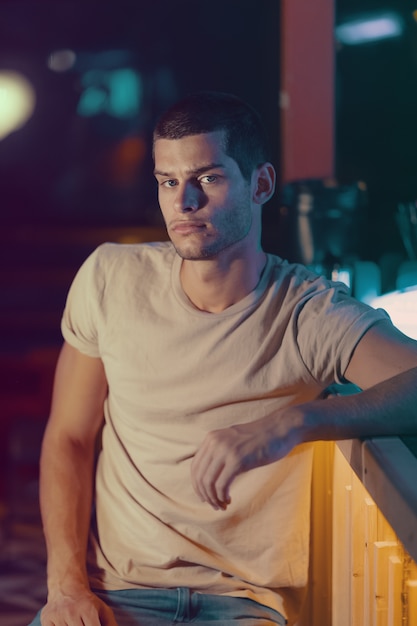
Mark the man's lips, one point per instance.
(186, 227)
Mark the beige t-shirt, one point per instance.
(175, 373)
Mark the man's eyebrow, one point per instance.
(196, 171)
(206, 168)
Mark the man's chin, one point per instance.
(194, 255)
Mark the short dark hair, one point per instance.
(209, 111)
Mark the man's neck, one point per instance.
(213, 285)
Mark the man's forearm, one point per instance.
(65, 496)
(388, 408)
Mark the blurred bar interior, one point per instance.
(81, 85)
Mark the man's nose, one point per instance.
(188, 198)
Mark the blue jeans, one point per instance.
(161, 607)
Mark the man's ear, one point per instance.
(263, 179)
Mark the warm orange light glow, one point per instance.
(126, 160)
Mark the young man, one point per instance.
(207, 358)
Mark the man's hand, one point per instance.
(228, 452)
(76, 609)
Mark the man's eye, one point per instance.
(209, 178)
(169, 183)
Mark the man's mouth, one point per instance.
(186, 227)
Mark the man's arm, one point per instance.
(66, 487)
(383, 365)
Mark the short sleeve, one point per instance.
(82, 314)
(330, 324)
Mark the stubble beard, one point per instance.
(190, 251)
(205, 251)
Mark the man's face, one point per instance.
(205, 201)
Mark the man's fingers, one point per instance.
(84, 609)
(204, 474)
(216, 486)
(212, 473)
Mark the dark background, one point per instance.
(376, 121)
(62, 167)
